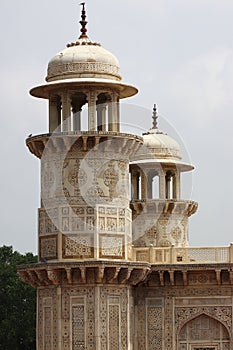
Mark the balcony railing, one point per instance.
(188, 255)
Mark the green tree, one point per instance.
(17, 303)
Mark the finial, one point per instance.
(83, 22)
(155, 117)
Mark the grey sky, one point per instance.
(179, 53)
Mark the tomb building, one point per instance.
(115, 270)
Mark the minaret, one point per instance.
(160, 216)
(85, 273)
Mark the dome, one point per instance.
(159, 148)
(83, 59)
(159, 145)
(83, 63)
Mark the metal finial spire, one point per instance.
(83, 22)
(155, 117)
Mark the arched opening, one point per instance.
(55, 108)
(102, 111)
(136, 185)
(108, 112)
(203, 333)
(153, 184)
(78, 100)
(65, 111)
(170, 181)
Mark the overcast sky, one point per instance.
(179, 53)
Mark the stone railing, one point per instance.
(188, 255)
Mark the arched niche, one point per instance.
(203, 333)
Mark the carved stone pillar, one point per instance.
(177, 185)
(54, 113)
(168, 186)
(118, 115)
(174, 183)
(162, 186)
(144, 184)
(66, 108)
(113, 113)
(92, 97)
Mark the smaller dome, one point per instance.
(160, 145)
(159, 148)
(83, 59)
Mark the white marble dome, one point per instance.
(159, 145)
(83, 59)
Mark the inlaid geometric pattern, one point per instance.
(113, 327)
(78, 317)
(78, 327)
(47, 328)
(114, 318)
(77, 246)
(154, 327)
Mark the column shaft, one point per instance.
(66, 108)
(92, 96)
(54, 113)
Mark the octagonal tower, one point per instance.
(84, 174)
(85, 272)
(160, 215)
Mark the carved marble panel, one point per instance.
(78, 327)
(78, 318)
(221, 313)
(114, 311)
(203, 332)
(47, 332)
(48, 247)
(154, 327)
(114, 326)
(78, 246)
(112, 246)
(48, 221)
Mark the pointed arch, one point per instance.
(203, 330)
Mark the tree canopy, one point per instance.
(17, 303)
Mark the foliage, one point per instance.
(17, 303)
